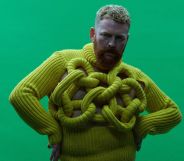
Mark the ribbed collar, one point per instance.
(90, 55)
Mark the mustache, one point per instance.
(113, 52)
(110, 50)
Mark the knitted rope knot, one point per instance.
(100, 89)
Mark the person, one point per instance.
(96, 100)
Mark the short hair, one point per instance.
(115, 12)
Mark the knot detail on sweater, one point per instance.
(102, 90)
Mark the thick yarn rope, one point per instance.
(100, 89)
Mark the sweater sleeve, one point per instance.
(26, 95)
(163, 113)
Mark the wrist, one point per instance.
(54, 138)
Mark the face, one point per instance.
(109, 39)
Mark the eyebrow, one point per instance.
(123, 34)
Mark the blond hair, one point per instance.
(114, 12)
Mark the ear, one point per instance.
(128, 36)
(92, 34)
(126, 42)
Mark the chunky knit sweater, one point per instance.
(93, 114)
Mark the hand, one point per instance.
(138, 141)
(55, 152)
(138, 133)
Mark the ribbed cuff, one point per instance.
(55, 138)
(158, 122)
(143, 127)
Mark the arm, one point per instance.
(26, 95)
(163, 113)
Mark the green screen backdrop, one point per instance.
(31, 30)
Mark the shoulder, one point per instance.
(137, 74)
(66, 55)
(68, 52)
(130, 67)
(133, 71)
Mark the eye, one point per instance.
(106, 35)
(121, 38)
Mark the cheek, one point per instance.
(121, 47)
(101, 43)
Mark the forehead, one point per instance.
(111, 26)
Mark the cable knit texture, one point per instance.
(93, 114)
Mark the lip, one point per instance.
(109, 58)
(109, 54)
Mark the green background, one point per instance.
(30, 30)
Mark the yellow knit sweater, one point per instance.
(90, 135)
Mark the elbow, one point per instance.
(177, 116)
(180, 116)
(177, 112)
(15, 96)
(178, 119)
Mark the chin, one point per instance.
(106, 65)
(109, 65)
(107, 68)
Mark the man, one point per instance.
(95, 99)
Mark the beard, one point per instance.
(107, 59)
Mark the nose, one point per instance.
(111, 43)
